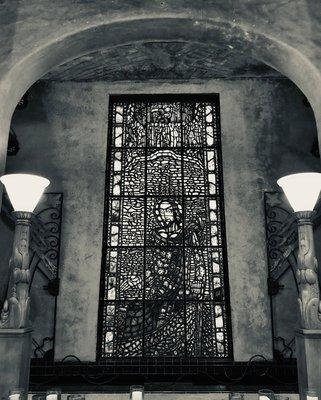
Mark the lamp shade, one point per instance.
(302, 190)
(24, 190)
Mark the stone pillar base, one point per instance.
(15, 352)
(308, 351)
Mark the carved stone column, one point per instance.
(15, 312)
(15, 333)
(308, 336)
(307, 274)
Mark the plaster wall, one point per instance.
(266, 132)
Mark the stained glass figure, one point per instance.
(164, 288)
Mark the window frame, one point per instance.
(144, 363)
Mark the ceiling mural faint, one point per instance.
(163, 60)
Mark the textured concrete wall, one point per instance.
(266, 132)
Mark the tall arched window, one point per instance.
(164, 290)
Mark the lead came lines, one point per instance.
(165, 297)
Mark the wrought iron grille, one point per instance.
(164, 289)
(282, 244)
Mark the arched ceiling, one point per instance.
(39, 36)
(163, 60)
(84, 39)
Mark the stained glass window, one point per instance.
(164, 291)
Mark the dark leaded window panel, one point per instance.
(164, 291)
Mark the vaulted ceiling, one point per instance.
(160, 39)
(28, 25)
(163, 60)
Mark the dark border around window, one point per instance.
(143, 365)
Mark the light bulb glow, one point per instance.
(24, 190)
(302, 190)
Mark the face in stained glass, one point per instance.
(165, 221)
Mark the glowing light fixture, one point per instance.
(24, 190)
(302, 190)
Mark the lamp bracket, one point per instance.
(53, 287)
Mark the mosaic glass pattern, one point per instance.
(164, 292)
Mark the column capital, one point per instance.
(304, 217)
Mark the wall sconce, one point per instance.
(24, 192)
(302, 190)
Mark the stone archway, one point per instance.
(279, 55)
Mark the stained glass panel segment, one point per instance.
(164, 289)
(128, 172)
